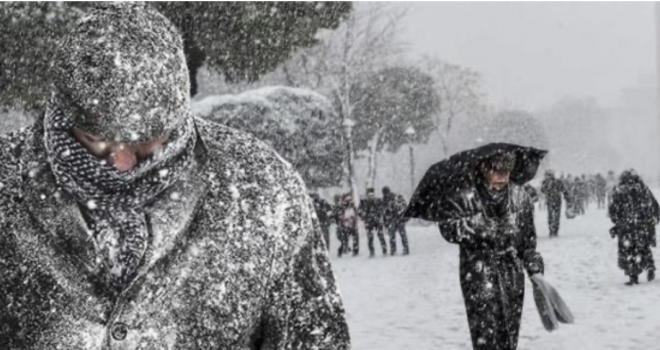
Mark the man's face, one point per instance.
(497, 179)
(123, 156)
(370, 195)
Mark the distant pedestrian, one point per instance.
(553, 189)
(394, 207)
(324, 213)
(601, 190)
(348, 220)
(371, 213)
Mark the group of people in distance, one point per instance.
(379, 215)
(631, 206)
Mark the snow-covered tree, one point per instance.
(243, 41)
(300, 124)
(392, 100)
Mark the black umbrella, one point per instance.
(457, 172)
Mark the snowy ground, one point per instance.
(415, 302)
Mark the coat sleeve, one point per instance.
(304, 308)
(531, 258)
(461, 223)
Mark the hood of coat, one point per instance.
(120, 81)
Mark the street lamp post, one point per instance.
(348, 125)
(410, 132)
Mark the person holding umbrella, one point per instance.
(477, 198)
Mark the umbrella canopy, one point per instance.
(457, 173)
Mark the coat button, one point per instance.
(119, 331)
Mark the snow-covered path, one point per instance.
(415, 302)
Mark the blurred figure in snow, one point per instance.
(324, 213)
(601, 190)
(394, 206)
(371, 213)
(635, 213)
(347, 219)
(553, 189)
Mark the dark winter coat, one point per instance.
(394, 205)
(553, 189)
(235, 261)
(494, 252)
(531, 191)
(371, 212)
(324, 211)
(634, 212)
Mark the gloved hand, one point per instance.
(486, 230)
(613, 232)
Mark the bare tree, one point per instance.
(460, 94)
(364, 43)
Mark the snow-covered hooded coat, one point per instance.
(234, 256)
(635, 213)
(495, 249)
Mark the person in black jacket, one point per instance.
(634, 212)
(324, 212)
(553, 189)
(493, 223)
(371, 213)
(394, 206)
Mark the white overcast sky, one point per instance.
(532, 54)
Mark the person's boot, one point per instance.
(393, 252)
(385, 251)
(406, 251)
(650, 275)
(339, 251)
(633, 280)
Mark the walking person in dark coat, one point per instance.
(611, 183)
(128, 223)
(347, 219)
(601, 190)
(635, 213)
(553, 189)
(394, 206)
(493, 222)
(324, 212)
(371, 213)
(581, 195)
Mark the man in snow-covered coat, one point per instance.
(126, 223)
(493, 223)
(634, 212)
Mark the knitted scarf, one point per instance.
(113, 201)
